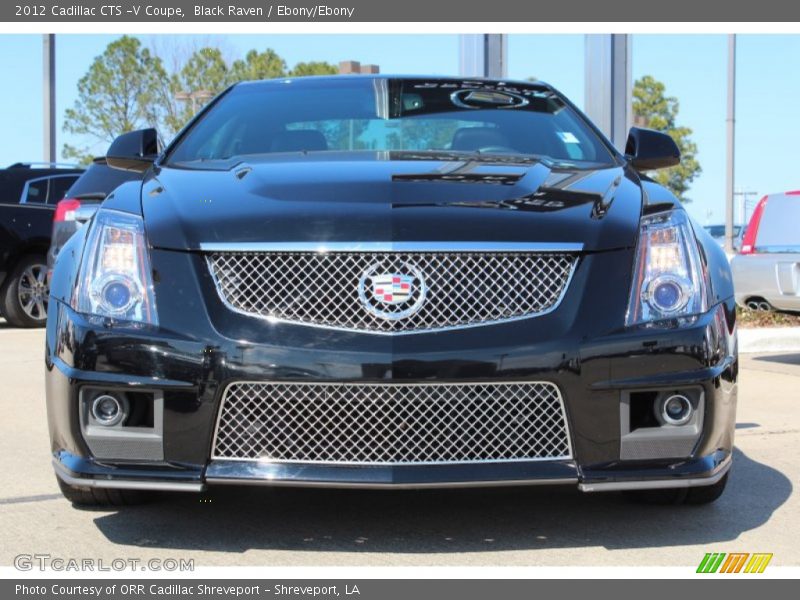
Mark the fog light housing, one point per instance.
(675, 409)
(109, 410)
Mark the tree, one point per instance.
(128, 87)
(206, 69)
(658, 111)
(303, 69)
(204, 74)
(115, 96)
(258, 65)
(428, 134)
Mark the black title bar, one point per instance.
(442, 11)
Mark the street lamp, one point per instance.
(201, 95)
(49, 89)
(730, 126)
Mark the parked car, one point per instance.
(36, 183)
(718, 233)
(28, 194)
(378, 281)
(766, 272)
(81, 201)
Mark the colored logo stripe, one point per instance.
(714, 562)
(758, 562)
(711, 562)
(734, 562)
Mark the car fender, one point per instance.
(125, 198)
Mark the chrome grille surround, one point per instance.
(391, 424)
(460, 288)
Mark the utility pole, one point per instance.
(49, 93)
(730, 123)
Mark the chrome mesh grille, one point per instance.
(391, 423)
(335, 289)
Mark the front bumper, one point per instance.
(192, 372)
(82, 472)
(767, 276)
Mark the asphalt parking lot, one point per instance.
(759, 512)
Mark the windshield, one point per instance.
(357, 114)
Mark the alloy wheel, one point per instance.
(32, 291)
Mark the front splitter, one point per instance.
(551, 472)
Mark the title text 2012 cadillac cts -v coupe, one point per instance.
(401, 282)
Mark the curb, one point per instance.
(769, 339)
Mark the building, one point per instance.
(350, 67)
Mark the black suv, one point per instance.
(28, 196)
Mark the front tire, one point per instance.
(674, 496)
(100, 497)
(23, 297)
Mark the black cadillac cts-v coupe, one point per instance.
(391, 282)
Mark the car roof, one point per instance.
(32, 170)
(44, 166)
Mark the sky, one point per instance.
(693, 67)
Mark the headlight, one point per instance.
(115, 278)
(668, 278)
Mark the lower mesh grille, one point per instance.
(391, 423)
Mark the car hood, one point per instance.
(390, 197)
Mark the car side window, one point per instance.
(36, 192)
(59, 186)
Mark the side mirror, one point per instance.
(134, 151)
(647, 150)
